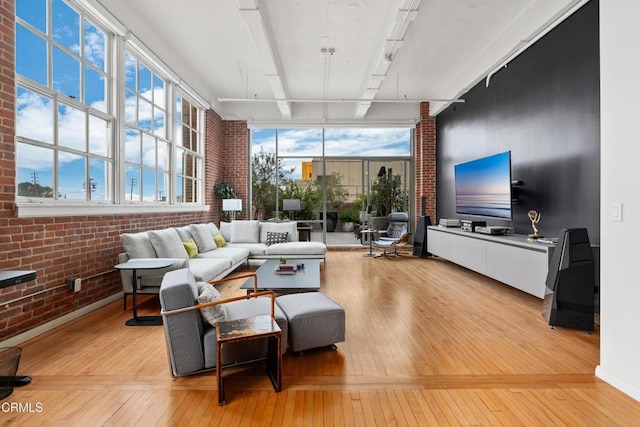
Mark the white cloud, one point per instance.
(347, 142)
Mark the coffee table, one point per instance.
(307, 280)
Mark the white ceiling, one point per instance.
(268, 49)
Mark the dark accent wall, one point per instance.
(545, 108)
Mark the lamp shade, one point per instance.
(291, 204)
(231, 205)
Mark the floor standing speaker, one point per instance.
(569, 296)
(420, 238)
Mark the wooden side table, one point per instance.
(250, 329)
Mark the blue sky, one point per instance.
(306, 143)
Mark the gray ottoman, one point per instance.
(314, 320)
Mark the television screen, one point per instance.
(483, 186)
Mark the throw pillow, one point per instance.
(138, 245)
(219, 239)
(208, 293)
(203, 237)
(191, 247)
(245, 231)
(167, 243)
(273, 238)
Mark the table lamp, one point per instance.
(232, 206)
(291, 205)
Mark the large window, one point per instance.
(146, 147)
(63, 128)
(78, 139)
(330, 170)
(188, 151)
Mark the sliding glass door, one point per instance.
(330, 180)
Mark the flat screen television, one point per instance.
(483, 186)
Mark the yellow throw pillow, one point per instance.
(220, 242)
(191, 248)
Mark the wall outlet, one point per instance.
(75, 283)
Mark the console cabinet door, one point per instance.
(470, 253)
(439, 243)
(524, 269)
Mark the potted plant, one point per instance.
(348, 218)
(387, 195)
(336, 196)
(223, 190)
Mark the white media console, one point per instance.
(510, 259)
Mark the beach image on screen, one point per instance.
(483, 186)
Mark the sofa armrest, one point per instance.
(148, 278)
(255, 294)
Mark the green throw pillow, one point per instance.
(191, 248)
(220, 242)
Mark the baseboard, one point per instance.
(46, 327)
(619, 383)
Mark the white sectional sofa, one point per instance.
(244, 240)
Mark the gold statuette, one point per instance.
(534, 216)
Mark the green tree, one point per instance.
(387, 193)
(265, 166)
(336, 193)
(310, 199)
(29, 189)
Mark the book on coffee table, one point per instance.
(286, 269)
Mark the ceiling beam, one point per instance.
(380, 69)
(258, 27)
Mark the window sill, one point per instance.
(34, 210)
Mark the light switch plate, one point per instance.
(616, 212)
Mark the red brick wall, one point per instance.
(425, 161)
(61, 247)
(236, 160)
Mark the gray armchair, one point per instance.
(398, 225)
(393, 247)
(191, 341)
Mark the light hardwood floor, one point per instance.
(428, 343)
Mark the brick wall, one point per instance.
(60, 247)
(425, 161)
(236, 160)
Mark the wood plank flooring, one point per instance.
(428, 343)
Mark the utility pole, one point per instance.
(133, 182)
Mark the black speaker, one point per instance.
(420, 238)
(569, 296)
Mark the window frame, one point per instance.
(118, 40)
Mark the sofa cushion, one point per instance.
(207, 269)
(191, 247)
(274, 237)
(297, 248)
(219, 239)
(184, 233)
(203, 237)
(225, 230)
(289, 227)
(234, 254)
(245, 231)
(214, 313)
(255, 249)
(212, 227)
(138, 245)
(167, 243)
